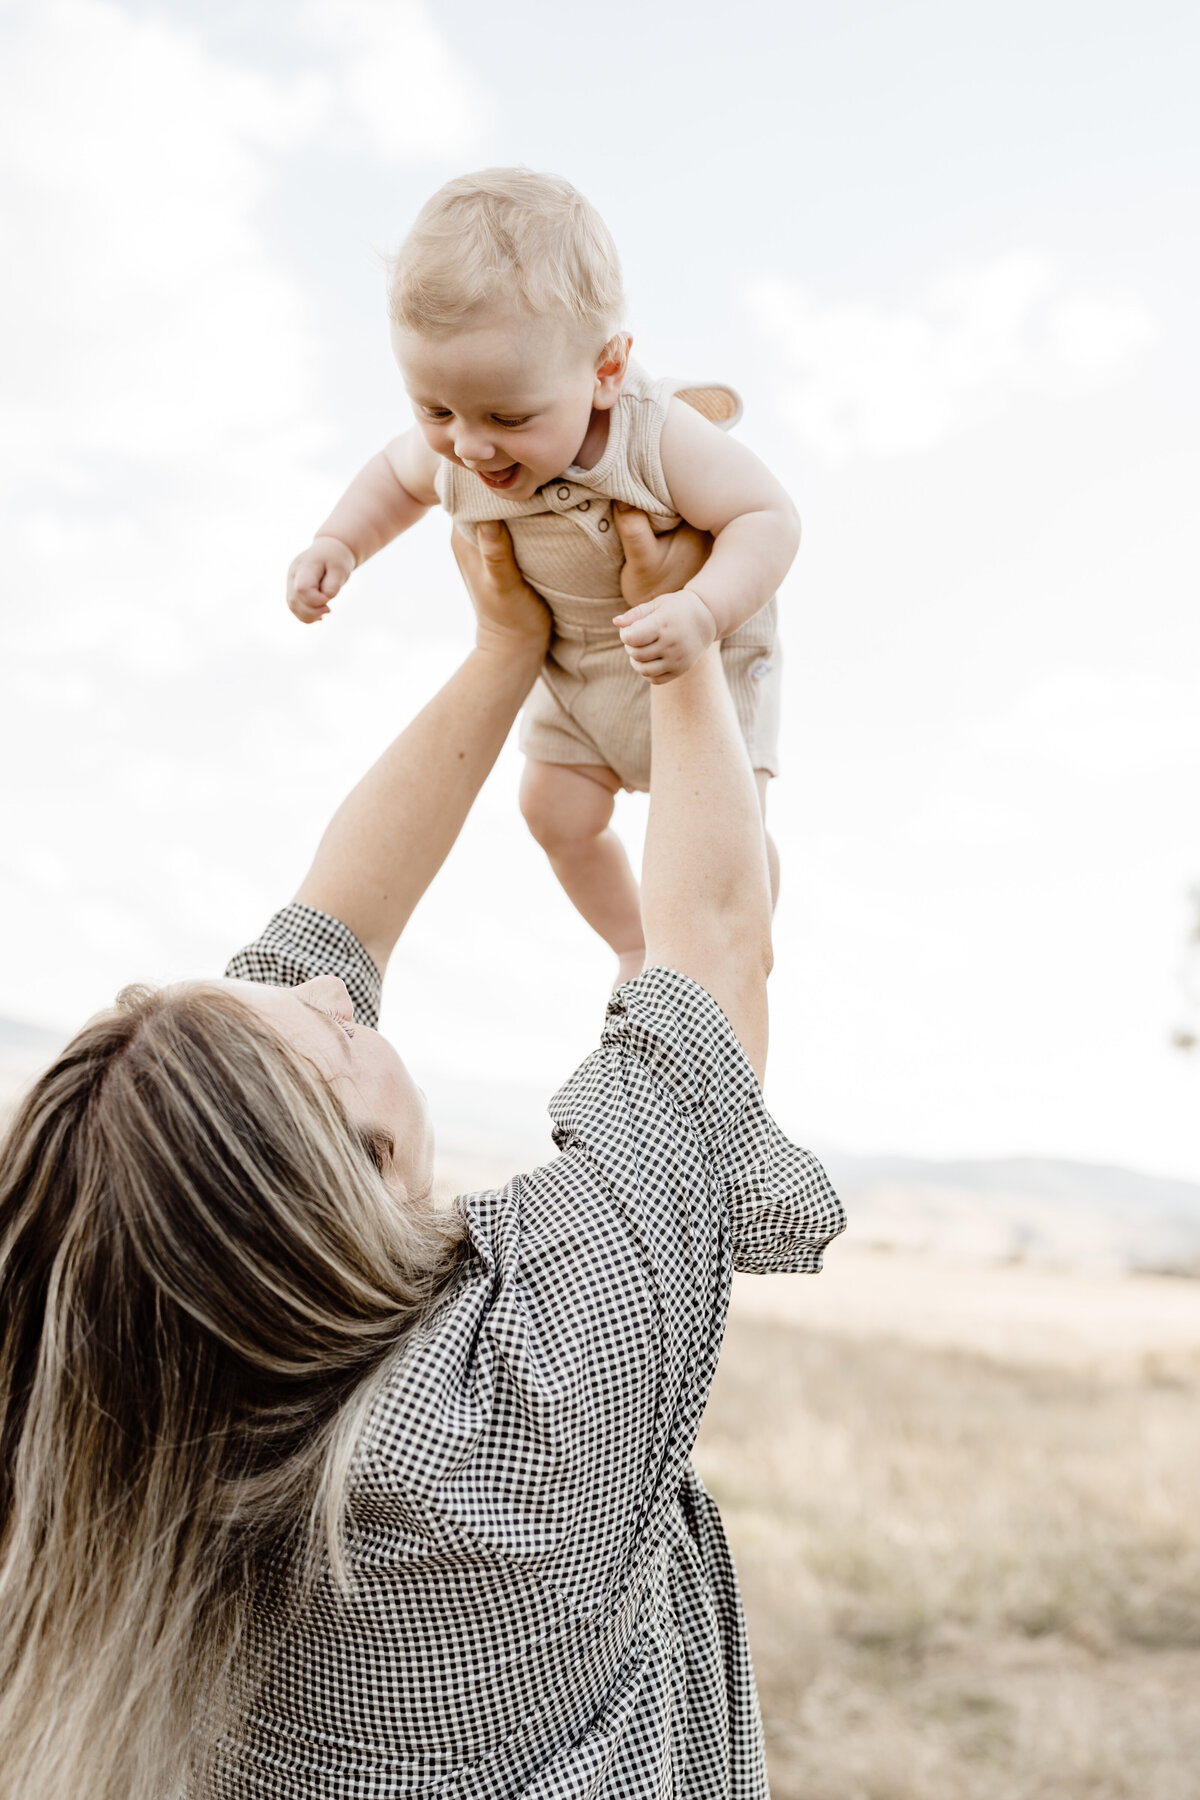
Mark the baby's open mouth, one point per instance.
(500, 478)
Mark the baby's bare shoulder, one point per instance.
(713, 477)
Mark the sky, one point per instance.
(948, 256)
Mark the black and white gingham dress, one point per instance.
(543, 1601)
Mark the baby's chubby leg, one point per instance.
(568, 809)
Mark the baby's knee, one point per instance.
(561, 807)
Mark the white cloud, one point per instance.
(859, 379)
(398, 81)
(1096, 723)
(152, 321)
(162, 424)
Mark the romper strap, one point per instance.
(712, 400)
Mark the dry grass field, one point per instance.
(966, 1576)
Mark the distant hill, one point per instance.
(1039, 1210)
(1026, 1208)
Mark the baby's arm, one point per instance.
(391, 493)
(721, 487)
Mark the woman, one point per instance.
(308, 1489)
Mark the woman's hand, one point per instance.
(509, 615)
(656, 565)
(667, 627)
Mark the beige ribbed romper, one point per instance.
(590, 705)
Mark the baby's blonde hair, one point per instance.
(511, 234)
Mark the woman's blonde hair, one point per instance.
(202, 1280)
(510, 234)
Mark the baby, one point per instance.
(506, 310)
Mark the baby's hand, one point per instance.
(664, 637)
(316, 575)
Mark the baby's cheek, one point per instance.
(437, 440)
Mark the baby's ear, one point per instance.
(611, 366)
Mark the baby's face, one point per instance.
(510, 399)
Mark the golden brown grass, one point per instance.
(964, 1579)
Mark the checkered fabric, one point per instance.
(543, 1601)
(301, 943)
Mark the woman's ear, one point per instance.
(611, 365)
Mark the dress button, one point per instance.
(583, 506)
(603, 525)
(564, 493)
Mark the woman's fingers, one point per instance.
(661, 564)
(489, 558)
(496, 549)
(466, 555)
(637, 538)
(684, 553)
(504, 602)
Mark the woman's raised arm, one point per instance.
(391, 834)
(706, 896)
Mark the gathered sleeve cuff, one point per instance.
(665, 1034)
(299, 944)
